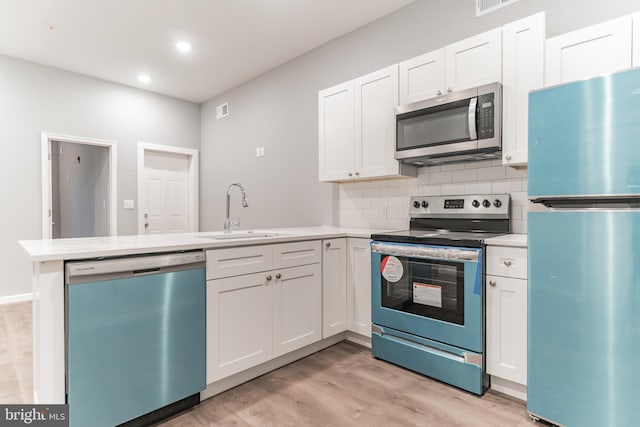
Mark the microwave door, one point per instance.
(447, 128)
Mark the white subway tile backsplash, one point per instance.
(500, 186)
(429, 190)
(457, 188)
(494, 172)
(477, 187)
(465, 175)
(516, 173)
(384, 204)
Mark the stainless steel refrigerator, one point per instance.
(584, 252)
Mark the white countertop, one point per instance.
(95, 247)
(513, 240)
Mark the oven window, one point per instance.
(429, 288)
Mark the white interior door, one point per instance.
(166, 192)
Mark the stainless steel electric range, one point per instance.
(428, 287)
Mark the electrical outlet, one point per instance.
(128, 204)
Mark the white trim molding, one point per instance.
(11, 299)
(193, 156)
(46, 139)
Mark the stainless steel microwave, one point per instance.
(459, 126)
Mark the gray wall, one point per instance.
(83, 189)
(35, 98)
(278, 110)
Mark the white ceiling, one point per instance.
(233, 40)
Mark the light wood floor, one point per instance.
(340, 386)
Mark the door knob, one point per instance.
(268, 278)
(492, 282)
(449, 90)
(328, 244)
(507, 262)
(278, 276)
(439, 93)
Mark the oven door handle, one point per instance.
(427, 252)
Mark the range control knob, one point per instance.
(416, 204)
(425, 204)
(486, 203)
(497, 203)
(475, 203)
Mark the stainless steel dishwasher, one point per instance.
(135, 337)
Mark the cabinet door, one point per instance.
(336, 132)
(636, 39)
(239, 324)
(507, 328)
(359, 286)
(522, 71)
(297, 308)
(376, 99)
(334, 287)
(588, 52)
(474, 61)
(422, 77)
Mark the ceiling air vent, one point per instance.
(485, 6)
(222, 110)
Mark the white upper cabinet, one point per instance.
(336, 132)
(636, 39)
(588, 52)
(357, 129)
(522, 71)
(468, 63)
(422, 77)
(474, 61)
(376, 100)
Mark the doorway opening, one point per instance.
(78, 187)
(167, 189)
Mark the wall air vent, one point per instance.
(485, 6)
(222, 110)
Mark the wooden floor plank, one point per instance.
(341, 386)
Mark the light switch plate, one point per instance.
(128, 204)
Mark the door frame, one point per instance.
(45, 142)
(193, 156)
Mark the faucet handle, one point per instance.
(235, 224)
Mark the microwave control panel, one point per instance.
(485, 116)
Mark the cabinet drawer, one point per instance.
(507, 262)
(239, 261)
(296, 253)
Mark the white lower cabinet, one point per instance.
(252, 318)
(239, 324)
(359, 286)
(297, 313)
(506, 285)
(334, 286)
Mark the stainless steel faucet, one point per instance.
(227, 222)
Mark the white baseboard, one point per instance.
(10, 299)
(510, 388)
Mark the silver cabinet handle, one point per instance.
(268, 278)
(449, 90)
(492, 282)
(439, 92)
(328, 244)
(507, 262)
(357, 173)
(507, 156)
(350, 174)
(278, 276)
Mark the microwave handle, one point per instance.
(473, 102)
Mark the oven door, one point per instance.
(434, 292)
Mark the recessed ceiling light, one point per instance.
(144, 78)
(183, 47)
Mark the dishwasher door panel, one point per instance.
(134, 345)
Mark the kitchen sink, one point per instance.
(239, 235)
